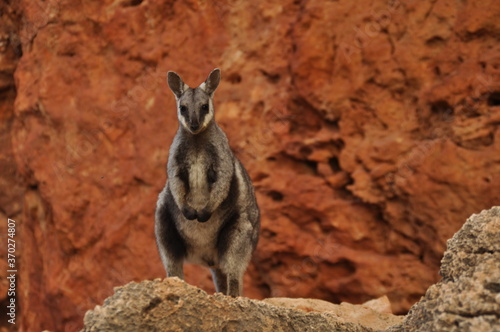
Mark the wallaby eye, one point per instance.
(183, 109)
(204, 108)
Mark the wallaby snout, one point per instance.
(194, 126)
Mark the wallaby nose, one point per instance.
(194, 126)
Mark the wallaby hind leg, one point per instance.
(175, 269)
(173, 265)
(235, 285)
(220, 280)
(228, 284)
(170, 244)
(235, 250)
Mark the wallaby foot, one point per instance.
(175, 270)
(235, 286)
(228, 285)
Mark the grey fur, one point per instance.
(207, 213)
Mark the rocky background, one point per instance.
(369, 128)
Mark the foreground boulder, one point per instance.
(468, 296)
(466, 299)
(173, 305)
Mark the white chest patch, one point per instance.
(198, 184)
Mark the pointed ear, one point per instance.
(175, 83)
(212, 81)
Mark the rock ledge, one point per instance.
(466, 299)
(173, 305)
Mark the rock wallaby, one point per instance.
(207, 213)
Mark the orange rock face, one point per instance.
(370, 130)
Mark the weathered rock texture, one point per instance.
(370, 129)
(367, 314)
(468, 296)
(173, 305)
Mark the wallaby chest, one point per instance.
(199, 167)
(197, 164)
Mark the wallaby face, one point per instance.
(207, 213)
(195, 107)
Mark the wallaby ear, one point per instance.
(212, 81)
(175, 83)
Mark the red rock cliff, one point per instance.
(369, 128)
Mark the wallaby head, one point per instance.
(195, 108)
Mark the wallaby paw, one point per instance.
(189, 213)
(204, 215)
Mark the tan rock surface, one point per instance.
(362, 314)
(382, 304)
(370, 130)
(467, 299)
(173, 305)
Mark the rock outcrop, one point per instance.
(173, 305)
(370, 130)
(466, 299)
(468, 296)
